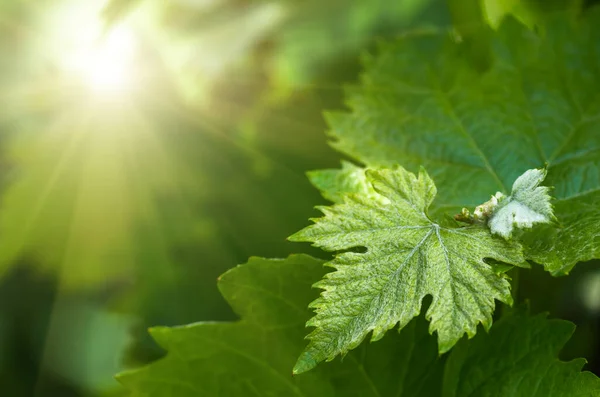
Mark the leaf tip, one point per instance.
(305, 363)
(444, 347)
(297, 237)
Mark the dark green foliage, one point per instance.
(254, 356)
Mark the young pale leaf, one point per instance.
(477, 131)
(528, 203)
(518, 358)
(254, 356)
(408, 256)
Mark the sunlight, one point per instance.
(106, 65)
(100, 57)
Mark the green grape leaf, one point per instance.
(477, 131)
(408, 256)
(255, 355)
(519, 357)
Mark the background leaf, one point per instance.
(518, 358)
(476, 131)
(255, 355)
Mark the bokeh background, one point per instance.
(148, 146)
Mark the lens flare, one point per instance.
(106, 64)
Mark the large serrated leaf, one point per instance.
(408, 256)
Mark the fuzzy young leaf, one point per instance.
(477, 131)
(528, 203)
(254, 356)
(518, 358)
(408, 257)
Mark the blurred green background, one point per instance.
(148, 146)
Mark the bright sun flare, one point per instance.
(107, 65)
(104, 62)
